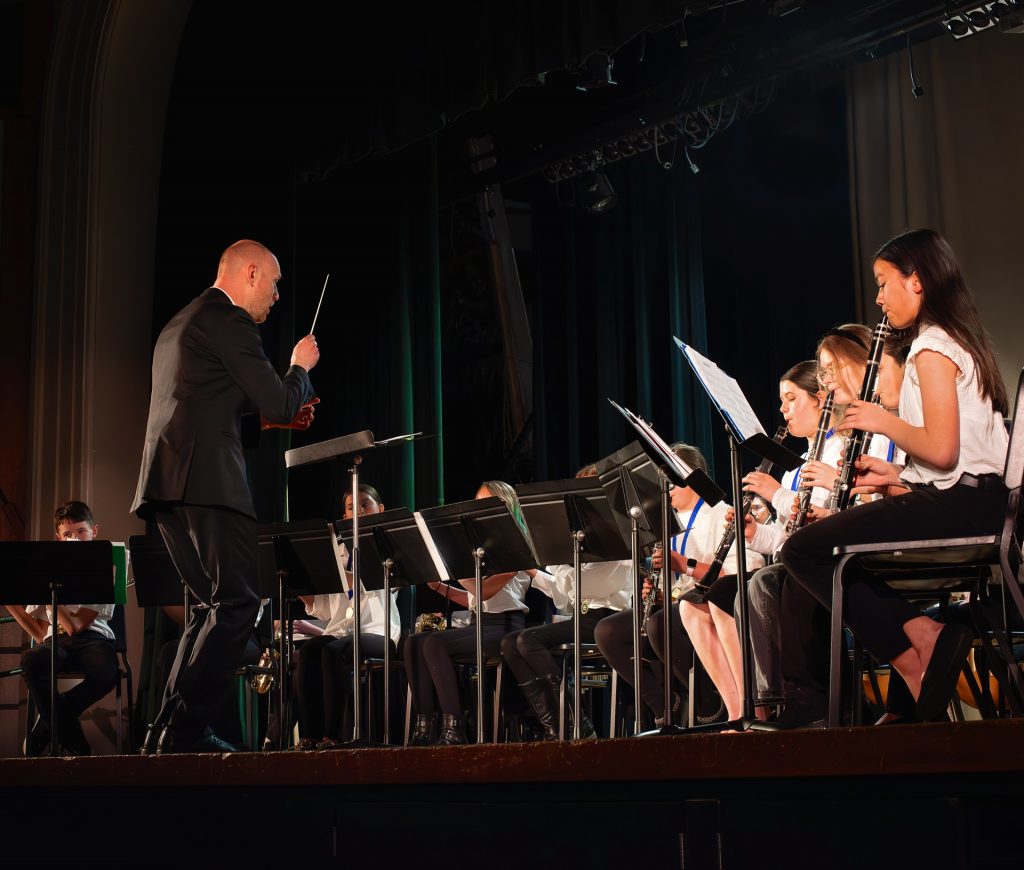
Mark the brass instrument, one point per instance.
(813, 455)
(430, 622)
(263, 679)
(859, 440)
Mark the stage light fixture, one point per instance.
(598, 193)
(978, 18)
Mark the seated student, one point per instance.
(709, 624)
(85, 645)
(693, 550)
(430, 656)
(323, 678)
(607, 587)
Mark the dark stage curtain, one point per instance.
(610, 291)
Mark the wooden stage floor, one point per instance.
(942, 795)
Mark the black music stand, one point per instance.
(571, 522)
(468, 535)
(744, 430)
(47, 572)
(349, 449)
(294, 559)
(398, 557)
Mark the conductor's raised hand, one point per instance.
(306, 353)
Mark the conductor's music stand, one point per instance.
(348, 449)
(468, 535)
(48, 572)
(571, 522)
(744, 430)
(398, 556)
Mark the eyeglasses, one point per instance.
(828, 373)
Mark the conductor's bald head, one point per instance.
(248, 272)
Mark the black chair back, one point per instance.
(116, 624)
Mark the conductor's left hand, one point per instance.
(302, 420)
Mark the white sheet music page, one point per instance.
(435, 554)
(724, 392)
(669, 455)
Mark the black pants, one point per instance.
(614, 637)
(431, 655)
(214, 551)
(528, 652)
(874, 612)
(88, 653)
(323, 682)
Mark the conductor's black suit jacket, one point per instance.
(209, 370)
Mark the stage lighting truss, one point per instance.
(692, 130)
(1007, 15)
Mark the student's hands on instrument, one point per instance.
(814, 473)
(761, 484)
(877, 475)
(866, 416)
(749, 525)
(814, 513)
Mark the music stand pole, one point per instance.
(668, 607)
(284, 644)
(638, 612)
(356, 596)
(741, 575)
(478, 611)
(54, 586)
(577, 566)
(388, 565)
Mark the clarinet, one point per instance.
(820, 436)
(859, 441)
(698, 594)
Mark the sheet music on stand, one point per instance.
(732, 404)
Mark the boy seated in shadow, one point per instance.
(85, 645)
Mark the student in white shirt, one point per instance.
(606, 590)
(323, 678)
(801, 401)
(950, 424)
(430, 657)
(85, 644)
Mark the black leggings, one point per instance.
(431, 655)
(528, 652)
(874, 612)
(323, 681)
(614, 637)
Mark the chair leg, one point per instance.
(613, 716)
(835, 692)
(131, 709)
(117, 712)
(408, 714)
(496, 714)
(561, 701)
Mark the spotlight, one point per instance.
(976, 19)
(598, 193)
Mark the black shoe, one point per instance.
(173, 742)
(453, 731)
(423, 730)
(37, 743)
(542, 693)
(152, 738)
(587, 731)
(939, 682)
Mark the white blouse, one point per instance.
(983, 438)
(607, 585)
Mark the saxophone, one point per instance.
(814, 455)
(699, 593)
(859, 441)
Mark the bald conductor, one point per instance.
(209, 369)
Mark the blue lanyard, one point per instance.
(686, 534)
(892, 451)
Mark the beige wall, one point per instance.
(103, 124)
(951, 160)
